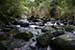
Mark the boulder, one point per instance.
(2, 47)
(44, 40)
(3, 36)
(25, 36)
(63, 42)
(69, 28)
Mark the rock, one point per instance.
(15, 22)
(64, 42)
(24, 24)
(24, 20)
(25, 36)
(3, 36)
(69, 28)
(2, 47)
(6, 29)
(33, 45)
(44, 40)
(49, 23)
(58, 33)
(16, 49)
(34, 26)
(61, 44)
(44, 30)
(65, 23)
(18, 43)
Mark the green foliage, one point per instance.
(66, 7)
(53, 8)
(10, 8)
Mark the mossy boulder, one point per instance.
(25, 36)
(69, 28)
(61, 44)
(64, 41)
(18, 43)
(3, 36)
(58, 44)
(2, 47)
(58, 33)
(13, 32)
(44, 40)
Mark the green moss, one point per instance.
(2, 47)
(3, 37)
(69, 28)
(12, 32)
(61, 44)
(25, 36)
(44, 40)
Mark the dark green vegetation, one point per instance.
(3, 36)
(61, 44)
(58, 9)
(2, 47)
(44, 40)
(45, 8)
(25, 36)
(69, 28)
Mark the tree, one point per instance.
(10, 8)
(53, 6)
(66, 8)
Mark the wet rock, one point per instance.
(6, 29)
(25, 36)
(61, 44)
(64, 42)
(2, 47)
(69, 28)
(3, 36)
(24, 24)
(58, 33)
(15, 22)
(44, 30)
(17, 43)
(44, 40)
(33, 45)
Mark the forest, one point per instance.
(37, 24)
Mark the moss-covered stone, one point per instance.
(61, 44)
(44, 40)
(58, 33)
(13, 32)
(3, 36)
(69, 28)
(25, 36)
(2, 47)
